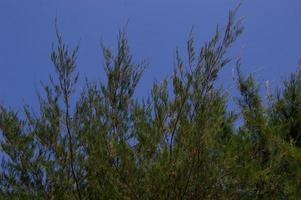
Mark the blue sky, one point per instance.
(270, 46)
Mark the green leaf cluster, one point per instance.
(179, 142)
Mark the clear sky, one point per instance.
(270, 46)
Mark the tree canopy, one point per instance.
(179, 142)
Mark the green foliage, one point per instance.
(180, 142)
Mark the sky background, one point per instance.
(270, 46)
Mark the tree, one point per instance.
(178, 143)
